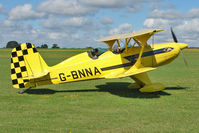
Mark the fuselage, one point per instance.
(83, 67)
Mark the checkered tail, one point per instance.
(25, 63)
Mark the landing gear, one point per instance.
(154, 87)
(23, 91)
(144, 84)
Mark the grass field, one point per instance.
(103, 106)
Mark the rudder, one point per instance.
(26, 63)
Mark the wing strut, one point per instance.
(142, 40)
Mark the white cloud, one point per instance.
(188, 32)
(193, 13)
(12, 26)
(185, 25)
(80, 22)
(159, 5)
(67, 32)
(161, 23)
(168, 14)
(65, 8)
(87, 7)
(105, 3)
(135, 8)
(123, 28)
(189, 26)
(24, 32)
(106, 20)
(2, 9)
(113, 3)
(24, 12)
(73, 24)
(21, 32)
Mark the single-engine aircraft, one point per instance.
(134, 60)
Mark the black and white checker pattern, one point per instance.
(18, 64)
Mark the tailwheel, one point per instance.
(23, 91)
(154, 87)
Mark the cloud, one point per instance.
(185, 25)
(65, 8)
(54, 22)
(168, 14)
(12, 26)
(135, 8)
(25, 32)
(77, 23)
(193, 13)
(21, 32)
(87, 7)
(123, 28)
(159, 5)
(80, 31)
(113, 3)
(189, 31)
(129, 5)
(24, 12)
(106, 20)
(161, 23)
(72, 24)
(106, 4)
(190, 25)
(2, 9)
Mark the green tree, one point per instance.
(12, 44)
(55, 46)
(89, 47)
(44, 46)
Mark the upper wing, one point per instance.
(140, 35)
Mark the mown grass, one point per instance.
(105, 105)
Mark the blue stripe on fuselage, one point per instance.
(149, 53)
(132, 58)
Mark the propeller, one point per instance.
(185, 61)
(176, 40)
(174, 36)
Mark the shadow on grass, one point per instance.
(115, 88)
(121, 89)
(176, 88)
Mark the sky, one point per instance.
(79, 23)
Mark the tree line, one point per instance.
(14, 44)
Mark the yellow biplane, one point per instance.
(134, 59)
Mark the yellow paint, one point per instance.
(108, 65)
(152, 87)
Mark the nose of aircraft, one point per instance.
(182, 45)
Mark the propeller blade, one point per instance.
(185, 62)
(174, 36)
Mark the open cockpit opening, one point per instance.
(120, 46)
(96, 52)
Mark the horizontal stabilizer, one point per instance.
(36, 76)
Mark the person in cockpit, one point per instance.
(117, 51)
(94, 53)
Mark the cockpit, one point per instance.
(96, 52)
(119, 46)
